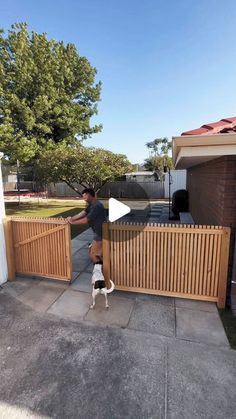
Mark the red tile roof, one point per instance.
(226, 125)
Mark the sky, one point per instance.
(165, 66)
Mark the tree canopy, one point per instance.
(48, 94)
(81, 165)
(159, 157)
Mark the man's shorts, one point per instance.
(96, 248)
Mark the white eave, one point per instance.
(191, 150)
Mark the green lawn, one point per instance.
(52, 209)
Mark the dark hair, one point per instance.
(90, 191)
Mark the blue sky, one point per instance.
(166, 66)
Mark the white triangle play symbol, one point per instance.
(117, 209)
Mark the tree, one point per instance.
(80, 166)
(47, 94)
(158, 158)
(159, 146)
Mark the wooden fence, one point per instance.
(188, 261)
(38, 247)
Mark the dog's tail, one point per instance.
(112, 287)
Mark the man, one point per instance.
(95, 216)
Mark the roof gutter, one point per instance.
(188, 141)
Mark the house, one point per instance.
(208, 154)
(15, 180)
(143, 176)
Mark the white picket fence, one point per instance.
(177, 181)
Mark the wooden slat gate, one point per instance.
(188, 261)
(39, 247)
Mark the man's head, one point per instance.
(88, 195)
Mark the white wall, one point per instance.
(178, 181)
(3, 261)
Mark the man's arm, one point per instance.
(76, 218)
(82, 214)
(83, 220)
(87, 217)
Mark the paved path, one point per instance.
(146, 357)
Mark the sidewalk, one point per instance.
(145, 357)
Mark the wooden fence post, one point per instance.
(9, 248)
(223, 274)
(68, 251)
(106, 253)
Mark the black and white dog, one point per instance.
(99, 285)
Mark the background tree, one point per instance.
(159, 146)
(80, 166)
(158, 155)
(48, 93)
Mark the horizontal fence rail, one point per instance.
(39, 247)
(187, 261)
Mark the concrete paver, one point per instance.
(40, 298)
(152, 317)
(160, 299)
(200, 326)
(145, 297)
(118, 313)
(66, 367)
(82, 253)
(86, 235)
(200, 382)
(81, 256)
(72, 305)
(78, 244)
(75, 275)
(54, 283)
(15, 288)
(70, 370)
(79, 264)
(29, 281)
(82, 283)
(89, 269)
(196, 305)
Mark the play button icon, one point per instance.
(117, 209)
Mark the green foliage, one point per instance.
(80, 165)
(158, 158)
(47, 94)
(158, 162)
(159, 146)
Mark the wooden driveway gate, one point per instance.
(188, 261)
(39, 247)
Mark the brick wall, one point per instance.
(212, 195)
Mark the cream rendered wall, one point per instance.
(178, 181)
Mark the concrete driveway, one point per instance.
(146, 357)
(55, 367)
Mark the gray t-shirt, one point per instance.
(96, 216)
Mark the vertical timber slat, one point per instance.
(223, 267)
(169, 259)
(9, 248)
(106, 253)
